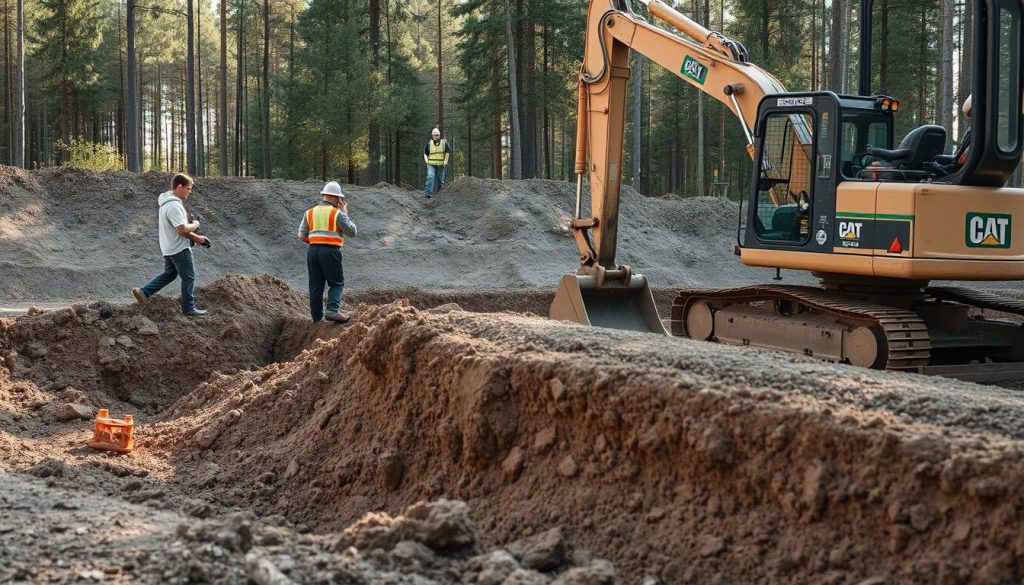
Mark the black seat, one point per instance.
(919, 146)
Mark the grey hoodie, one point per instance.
(172, 214)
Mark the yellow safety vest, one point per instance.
(437, 154)
(322, 222)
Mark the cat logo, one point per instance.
(850, 230)
(988, 230)
(694, 70)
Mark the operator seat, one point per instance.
(912, 160)
(919, 146)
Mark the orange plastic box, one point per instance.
(113, 434)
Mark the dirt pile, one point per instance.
(69, 236)
(677, 460)
(145, 357)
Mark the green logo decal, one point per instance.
(694, 70)
(988, 230)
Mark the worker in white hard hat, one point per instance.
(324, 228)
(436, 155)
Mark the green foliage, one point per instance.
(83, 154)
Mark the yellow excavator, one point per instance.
(831, 195)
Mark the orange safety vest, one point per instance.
(322, 222)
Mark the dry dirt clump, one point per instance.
(680, 461)
(54, 535)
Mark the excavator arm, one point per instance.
(707, 60)
(712, 63)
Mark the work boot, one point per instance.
(338, 317)
(197, 313)
(140, 296)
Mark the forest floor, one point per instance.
(449, 434)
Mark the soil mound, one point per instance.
(147, 356)
(684, 461)
(69, 236)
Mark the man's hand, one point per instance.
(343, 206)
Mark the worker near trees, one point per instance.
(436, 155)
(324, 228)
(177, 234)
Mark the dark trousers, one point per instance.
(324, 264)
(180, 264)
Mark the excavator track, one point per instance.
(902, 335)
(976, 298)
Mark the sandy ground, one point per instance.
(455, 436)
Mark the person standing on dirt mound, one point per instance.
(177, 234)
(323, 227)
(436, 155)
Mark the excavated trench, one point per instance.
(679, 461)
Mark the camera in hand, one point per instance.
(205, 244)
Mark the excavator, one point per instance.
(831, 194)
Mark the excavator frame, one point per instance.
(875, 236)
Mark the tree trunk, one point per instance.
(222, 117)
(238, 88)
(946, 77)
(636, 78)
(922, 80)
(548, 131)
(701, 143)
(200, 140)
(883, 51)
(373, 148)
(966, 63)
(515, 152)
(265, 130)
(837, 47)
(190, 92)
(440, 69)
(120, 121)
(18, 145)
(8, 86)
(158, 130)
(527, 99)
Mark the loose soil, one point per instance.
(449, 434)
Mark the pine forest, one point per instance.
(351, 89)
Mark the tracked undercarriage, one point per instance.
(932, 330)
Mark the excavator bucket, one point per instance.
(631, 307)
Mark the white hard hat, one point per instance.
(332, 188)
(435, 131)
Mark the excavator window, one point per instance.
(1008, 90)
(861, 129)
(785, 181)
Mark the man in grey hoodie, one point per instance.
(177, 234)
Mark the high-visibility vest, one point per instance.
(437, 155)
(322, 222)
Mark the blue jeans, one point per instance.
(324, 264)
(180, 264)
(433, 170)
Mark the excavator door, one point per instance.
(627, 305)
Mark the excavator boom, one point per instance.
(708, 61)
